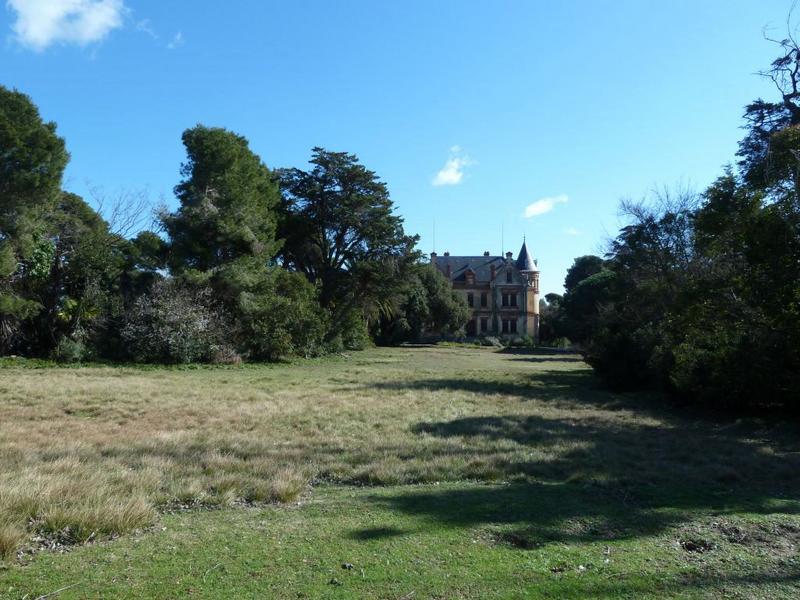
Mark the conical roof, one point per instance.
(524, 260)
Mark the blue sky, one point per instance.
(476, 114)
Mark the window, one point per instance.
(505, 299)
(508, 276)
(471, 327)
(484, 299)
(513, 324)
(513, 299)
(471, 299)
(484, 324)
(509, 326)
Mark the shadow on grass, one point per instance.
(634, 467)
(548, 359)
(573, 384)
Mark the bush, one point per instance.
(561, 342)
(492, 341)
(175, 323)
(524, 341)
(353, 333)
(282, 317)
(70, 351)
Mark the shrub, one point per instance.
(175, 323)
(561, 342)
(70, 351)
(356, 336)
(281, 317)
(492, 341)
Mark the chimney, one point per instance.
(509, 255)
(433, 258)
(447, 254)
(486, 253)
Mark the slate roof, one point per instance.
(480, 265)
(524, 261)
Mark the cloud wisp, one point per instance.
(544, 205)
(146, 27)
(453, 171)
(176, 41)
(41, 23)
(572, 231)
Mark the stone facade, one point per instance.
(502, 293)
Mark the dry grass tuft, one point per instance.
(11, 538)
(286, 485)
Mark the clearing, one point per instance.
(430, 472)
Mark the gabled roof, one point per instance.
(524, 261)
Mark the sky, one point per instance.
(489, 121)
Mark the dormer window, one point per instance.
(470, 277)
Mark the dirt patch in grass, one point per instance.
(776, 538)
(697, 545)
(519, 540)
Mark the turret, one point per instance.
(530, 271)
(525, 263)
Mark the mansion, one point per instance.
(503, 293)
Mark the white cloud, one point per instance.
(177, 40)
(572, 231)
(544, 205)
(146, 27)
(41, 23)
(453, 171)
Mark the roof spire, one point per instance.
(524, 261)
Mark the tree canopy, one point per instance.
(340, 230)
(227, 201)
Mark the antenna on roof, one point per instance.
(434, 234)
(502, 238)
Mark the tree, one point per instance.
(573, 315)
(87, 262)
(32, 162)
(223, 237)
(281, 317)
(582, 267)
(428, 306)
(341, 232)
(740, 326)
(769, 152)
(227, 208)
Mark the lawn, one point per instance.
(443, 472)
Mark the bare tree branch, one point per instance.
(127, 212)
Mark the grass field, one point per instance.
(433, 472)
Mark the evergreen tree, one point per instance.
(32, 162)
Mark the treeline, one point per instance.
(254, 263)
(700, 294)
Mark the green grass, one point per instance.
(436, 472)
